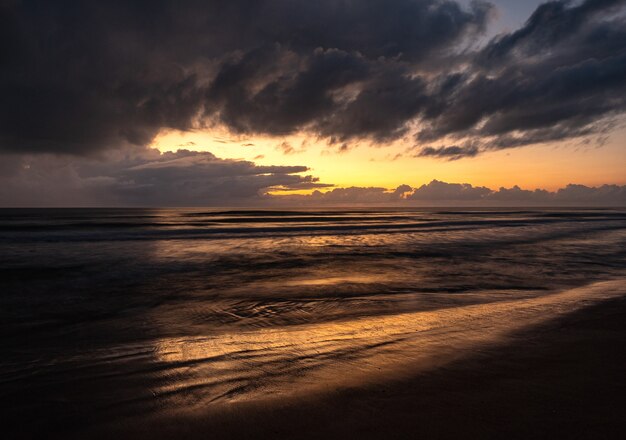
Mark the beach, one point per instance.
(316, 220)
(561, 379)
(313, 324)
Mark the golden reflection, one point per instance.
(327, 281)
(237, 365)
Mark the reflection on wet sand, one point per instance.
(285, 361)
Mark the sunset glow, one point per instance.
(313, 219)
(548, 165)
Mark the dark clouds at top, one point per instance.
(560, 76)
(85, 76)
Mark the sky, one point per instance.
(247, 103)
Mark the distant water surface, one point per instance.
(115, 312)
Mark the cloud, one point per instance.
(561, 76)
(86, 77)
(605, 194)
(437, 190)
(287, 149)
(143, 178)
(438, 193)
(139, 177)
(552, 24)
(352, 195)
(453, 152)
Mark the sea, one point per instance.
(109, 315)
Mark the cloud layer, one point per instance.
(82, 77)
(186, 178)
(143, 178)
(437, 193)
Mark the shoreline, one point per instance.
(560, 378)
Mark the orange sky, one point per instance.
(547, 166)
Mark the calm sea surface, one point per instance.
(110, 313)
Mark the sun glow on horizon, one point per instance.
(363, 164)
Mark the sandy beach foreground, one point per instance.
(562, 378)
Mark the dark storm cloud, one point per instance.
(81, 77)
(562, 75)
(533, 98)
(381, 109)
(551, 24)
(289, 101)
(86, 76)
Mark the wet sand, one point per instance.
(563, 378)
